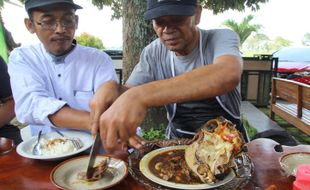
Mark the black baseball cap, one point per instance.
(158, 8)
(31, 4)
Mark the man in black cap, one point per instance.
(53, 81)
(193, 72)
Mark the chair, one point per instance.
(256, 79)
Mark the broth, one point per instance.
(171, 166)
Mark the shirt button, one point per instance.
(59, 75)
(59, 98)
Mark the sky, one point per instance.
(286, 18)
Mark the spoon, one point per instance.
(37, 149)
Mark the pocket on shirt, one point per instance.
(82, 98)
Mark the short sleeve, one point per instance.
(225, 42)
(142, 72)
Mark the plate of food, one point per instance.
(215, 158)
(55, 147)
(70, 174)
(167, 166)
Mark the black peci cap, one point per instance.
(31, 4)
(158, 8)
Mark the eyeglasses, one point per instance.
(52, 24)
(172, 22)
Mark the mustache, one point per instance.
(60, 38)
(170, 37)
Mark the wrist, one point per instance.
(87, 122)
(138, 93)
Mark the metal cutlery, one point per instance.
(75, 141)
(92, 156)
(37, 147)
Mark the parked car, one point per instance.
(293, 59)
(294, 63)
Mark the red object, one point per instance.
(301, 185)
(302, 181)
(304, 79)
(293, 70)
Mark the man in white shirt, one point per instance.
(53, 81)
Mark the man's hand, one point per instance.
(119, 122)
(6, 112)
(136, 142)
(101, 101)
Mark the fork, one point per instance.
(37, 149)
(76, 142)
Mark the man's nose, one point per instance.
(59, 27)
(169, 28)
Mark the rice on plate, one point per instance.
(85, 141)
(57, 146)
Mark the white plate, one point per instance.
(144, 168)
(25, 148)
(64, 175)
(290, 162)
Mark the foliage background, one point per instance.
(90, 41)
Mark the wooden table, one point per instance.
(21, 173)
(267, 170)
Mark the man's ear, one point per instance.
(29, 25)
(198, 14)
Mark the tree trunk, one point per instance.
(137, 33)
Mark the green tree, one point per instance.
(278, 43)
(2, 3)
(262, 44)
(306, 39)
(90, 41)
(244, 29)
(258, 44)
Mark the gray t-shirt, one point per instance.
(155, 64)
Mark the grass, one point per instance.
(159, 133)
(250, 130)
(154, 133)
